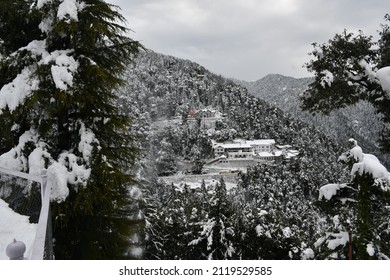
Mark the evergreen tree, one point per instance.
(359, 208)
(58, 91)
(348, 69)
(216, 240)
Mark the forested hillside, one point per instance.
(271, 214)
(359, 121)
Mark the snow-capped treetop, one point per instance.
(365, 163)
(15, 226)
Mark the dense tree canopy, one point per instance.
(59, 71)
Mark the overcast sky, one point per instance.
(247, 39)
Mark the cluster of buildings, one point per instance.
(241, 153)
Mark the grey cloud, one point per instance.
(247, 39)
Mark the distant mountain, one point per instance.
(359, 121)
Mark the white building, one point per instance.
(244, 149)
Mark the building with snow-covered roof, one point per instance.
(248, 152)
(244, 148)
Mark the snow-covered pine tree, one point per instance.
(58, 94)
(348, 69)
(216, 239)
(359, 207)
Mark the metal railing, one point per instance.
(42, 247)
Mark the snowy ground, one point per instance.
(14, 226)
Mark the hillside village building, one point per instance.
(245, 149)
(242, 153)
(207, 117)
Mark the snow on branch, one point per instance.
(327, 79)
(362, 164)
(329, 190)
(14, 93)
(15, 160)
(63, 67)
(87, 139)
(366, 164)
(383, 76)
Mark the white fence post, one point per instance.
(40, 238)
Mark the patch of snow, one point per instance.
(370, 249)
(37, 48)
(318, 52)
(319, 242)
(263, 212)
(15, 127)
(68, 8)
(62, 72)
(62, 59)
(357, 153)
(329, 190)
(41, 3)
(46, 25)
(15, 226)
(336, 220)
(77, 174)
(36, 161)
(66, 171)
(383, 256)
(259, 230)
(368, 68)
(87, 138)
(287, 232)
(383, 75)
(14, 159)
(327, 79)
(371, 165)
(57, 175)
(339, 239)
(366, 163)
(24, 84)
(136, 252)
(194, 182)
(15, 92)
(308, 254)
(344, 200)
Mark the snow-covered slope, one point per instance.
(14, 226)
